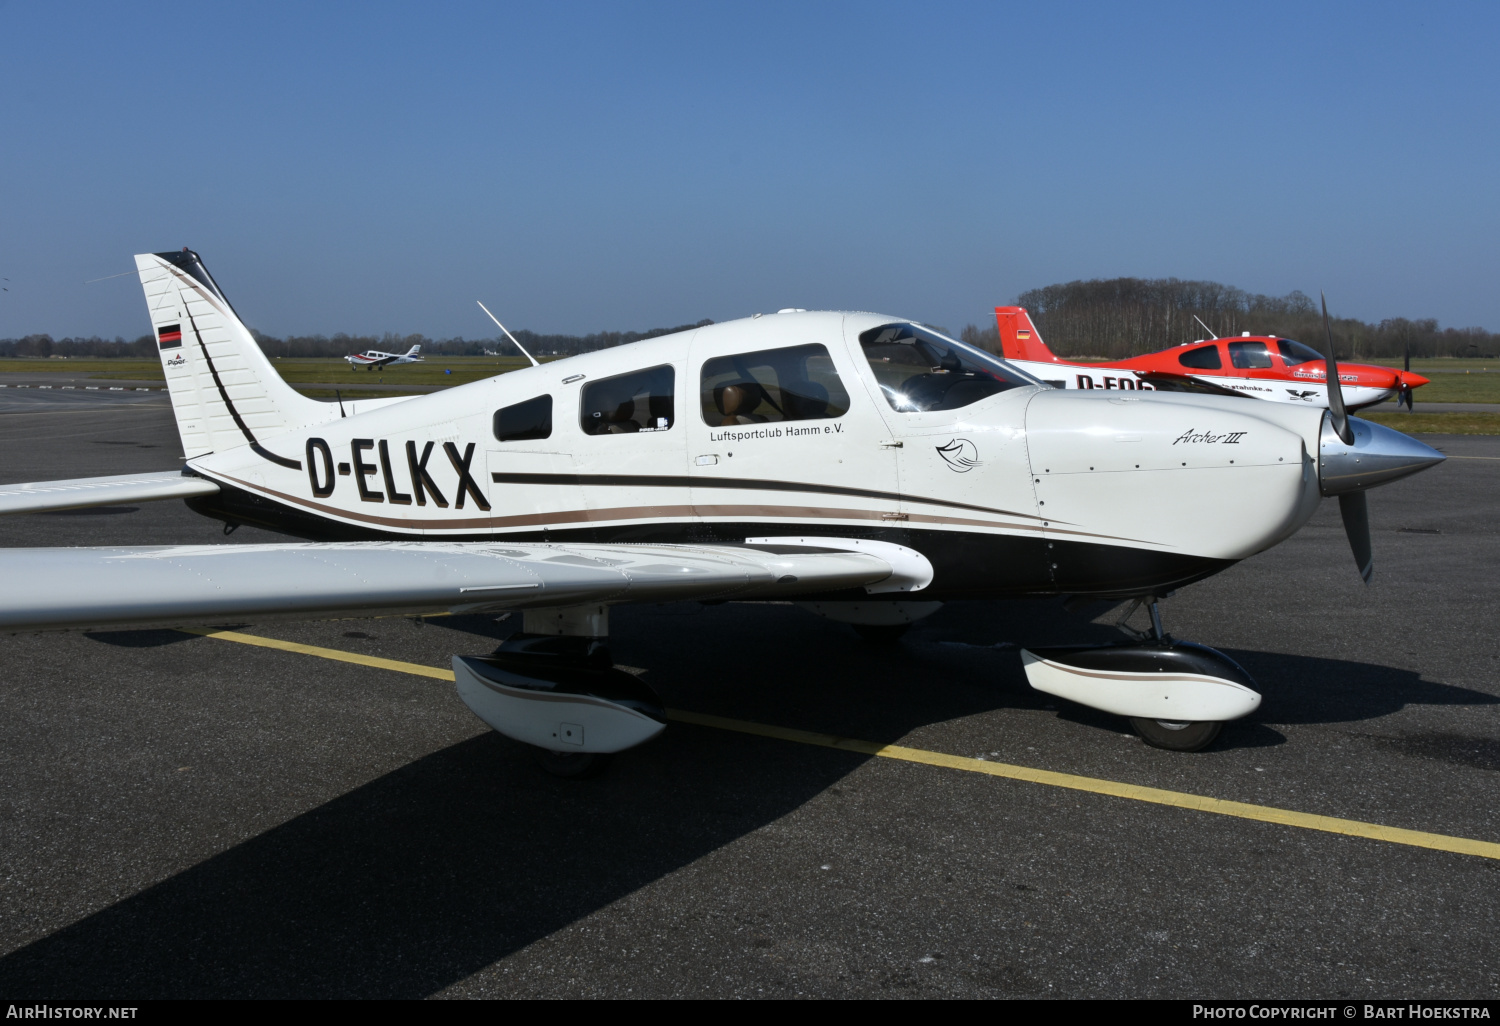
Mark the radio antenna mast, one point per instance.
(508, 334)
(1205, 327)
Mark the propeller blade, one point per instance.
(1355, 510)
(1335, 389)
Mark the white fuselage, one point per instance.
(1299, 391)
(1032, 489)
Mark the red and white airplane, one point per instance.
(373, 358)
(1262, 366)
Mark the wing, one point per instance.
(87, 587)
(42, 496)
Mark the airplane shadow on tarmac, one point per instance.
(428, 874)
(423, 876)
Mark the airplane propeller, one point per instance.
(1406, 389)
(1354, 508)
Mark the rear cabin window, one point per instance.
(1295, 352)
(524, 421)
(920, 371)
(772, 385)
(1249, 355)
(1202, 358)
(627, 403)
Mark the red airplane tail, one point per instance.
(1019, 339)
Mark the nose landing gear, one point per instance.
(1176, 694)
(1177, 736)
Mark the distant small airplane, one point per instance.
(1262, 366)
(375, 358)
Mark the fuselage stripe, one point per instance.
(668, 481)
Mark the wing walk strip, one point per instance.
(1070, 781)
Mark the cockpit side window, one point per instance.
(1249, 355)
(772, 385)
(1295, 352)
(921, 371)
(628, 403)
(524, 421)
(1202, 358)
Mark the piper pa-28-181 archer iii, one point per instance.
(1262, 366)
(867, 467)
(373, 358)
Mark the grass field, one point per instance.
(1441, 364)
(1438, 423)
(320, 371)
(1450, 382)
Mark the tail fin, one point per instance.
(225, 393)
(414, 350)
(1019, 339)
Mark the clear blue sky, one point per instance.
(580, 167)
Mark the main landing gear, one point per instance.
(1177, 695)
(554, 686)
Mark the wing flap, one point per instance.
(95, 587)
(45, 496)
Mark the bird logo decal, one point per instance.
(960, 455)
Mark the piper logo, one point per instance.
(177, 360)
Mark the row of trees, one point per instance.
(1122, 317)
(1116, 318)
(45, 346)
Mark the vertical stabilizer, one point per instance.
(1019, 339)
(225, 393)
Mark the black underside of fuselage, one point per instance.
(967, 565)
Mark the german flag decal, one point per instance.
(169, 336)
(1023, 334)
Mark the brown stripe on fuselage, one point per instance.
(663, 513)
(741, 483)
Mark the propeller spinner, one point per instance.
(1355, 455)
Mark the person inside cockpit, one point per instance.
(736, 402)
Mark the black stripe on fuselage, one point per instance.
(239, 421)
(966, 564)
(753, 484)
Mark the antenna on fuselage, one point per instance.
(508, 334)
(1205, 327)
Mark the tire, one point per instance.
(1177, 737)
(573, 765)
(881, 633)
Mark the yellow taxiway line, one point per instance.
(323, 653)
(1093, 785)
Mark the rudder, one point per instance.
(1019, 339)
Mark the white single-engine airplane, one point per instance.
(866, 466)
(373, 358)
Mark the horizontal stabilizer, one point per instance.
(44, 496)
(93, 587)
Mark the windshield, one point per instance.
(1295, 352)
(920, 371)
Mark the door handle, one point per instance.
(892, 443)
